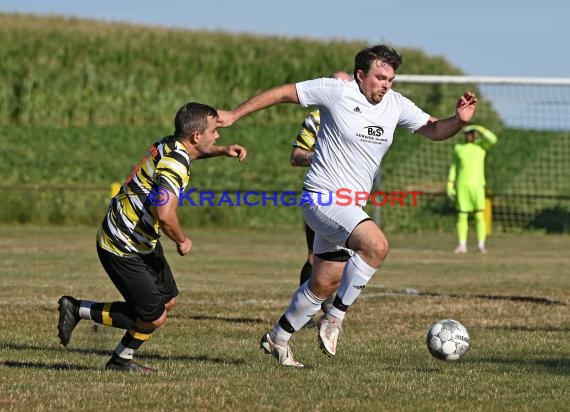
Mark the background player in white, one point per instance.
(358, 119)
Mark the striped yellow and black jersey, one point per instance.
(307, 136)
(131, 224)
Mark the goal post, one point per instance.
(527, 171)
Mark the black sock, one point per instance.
(131, 341)
(115, 314)
(306, 272)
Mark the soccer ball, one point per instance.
(447, 339)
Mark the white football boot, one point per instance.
(329, 331)
(282, 353)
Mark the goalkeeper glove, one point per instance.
(451, 193)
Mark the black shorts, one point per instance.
(145, 281)
(310, 236)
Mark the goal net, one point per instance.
(527, 171)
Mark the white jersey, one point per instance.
(354, 134)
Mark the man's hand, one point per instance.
(225, 118)
(236, 150)
(184, 247)
(465, 108)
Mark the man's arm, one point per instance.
(281, 94)
(170, 225)
(486, 138)
(234, 150)
(451, 192)
(301, 157)
(304, 145)
(441, 129)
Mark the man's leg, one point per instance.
(370, 248)
(462, 229)
(71, 311)
(302, 308)
(308, 266)
(480, 225)
(333, 225)
(481, 229)
(134, 337)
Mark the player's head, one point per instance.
(374, 71)
(470, 134)
(192, 117)
(195, 124)
(365, 57)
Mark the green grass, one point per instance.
(236, 283)
(77, 72)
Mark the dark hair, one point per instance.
(192, 117)
(365, 57)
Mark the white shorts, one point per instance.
(332, 224)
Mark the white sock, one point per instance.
(357, 273)
(463, 243)
(481, 244)
(85, 309)
(124, 352)
(304, 305)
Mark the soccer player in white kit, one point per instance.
(358, 119)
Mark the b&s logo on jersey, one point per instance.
(372, 134)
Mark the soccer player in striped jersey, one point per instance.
(358, 119)
(302, 155)
(466, 183)
(128, 242)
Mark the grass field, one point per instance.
(514, 301)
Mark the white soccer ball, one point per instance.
(447, 339)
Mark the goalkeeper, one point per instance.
(466, 183)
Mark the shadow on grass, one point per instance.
(224, 319)
(557, 366)
(523, 328)
(513, 298)
(42, 365)
(107, 353)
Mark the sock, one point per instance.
(462, 226)
(463, 243)
(85, 309)
(132, 340)
(480, 227)
(115, 314)
(305, 272)
(357, 273)
(304, 305)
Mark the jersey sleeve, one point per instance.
(319, 92)
(172, 172)
(411, 116)
(306, 138)
(485, 138)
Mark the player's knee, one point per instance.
(375, 251)
(153, 324)
(160, 322)
(170, 304)
(370, 244)
(378, 251)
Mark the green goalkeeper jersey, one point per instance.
(468, 166)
